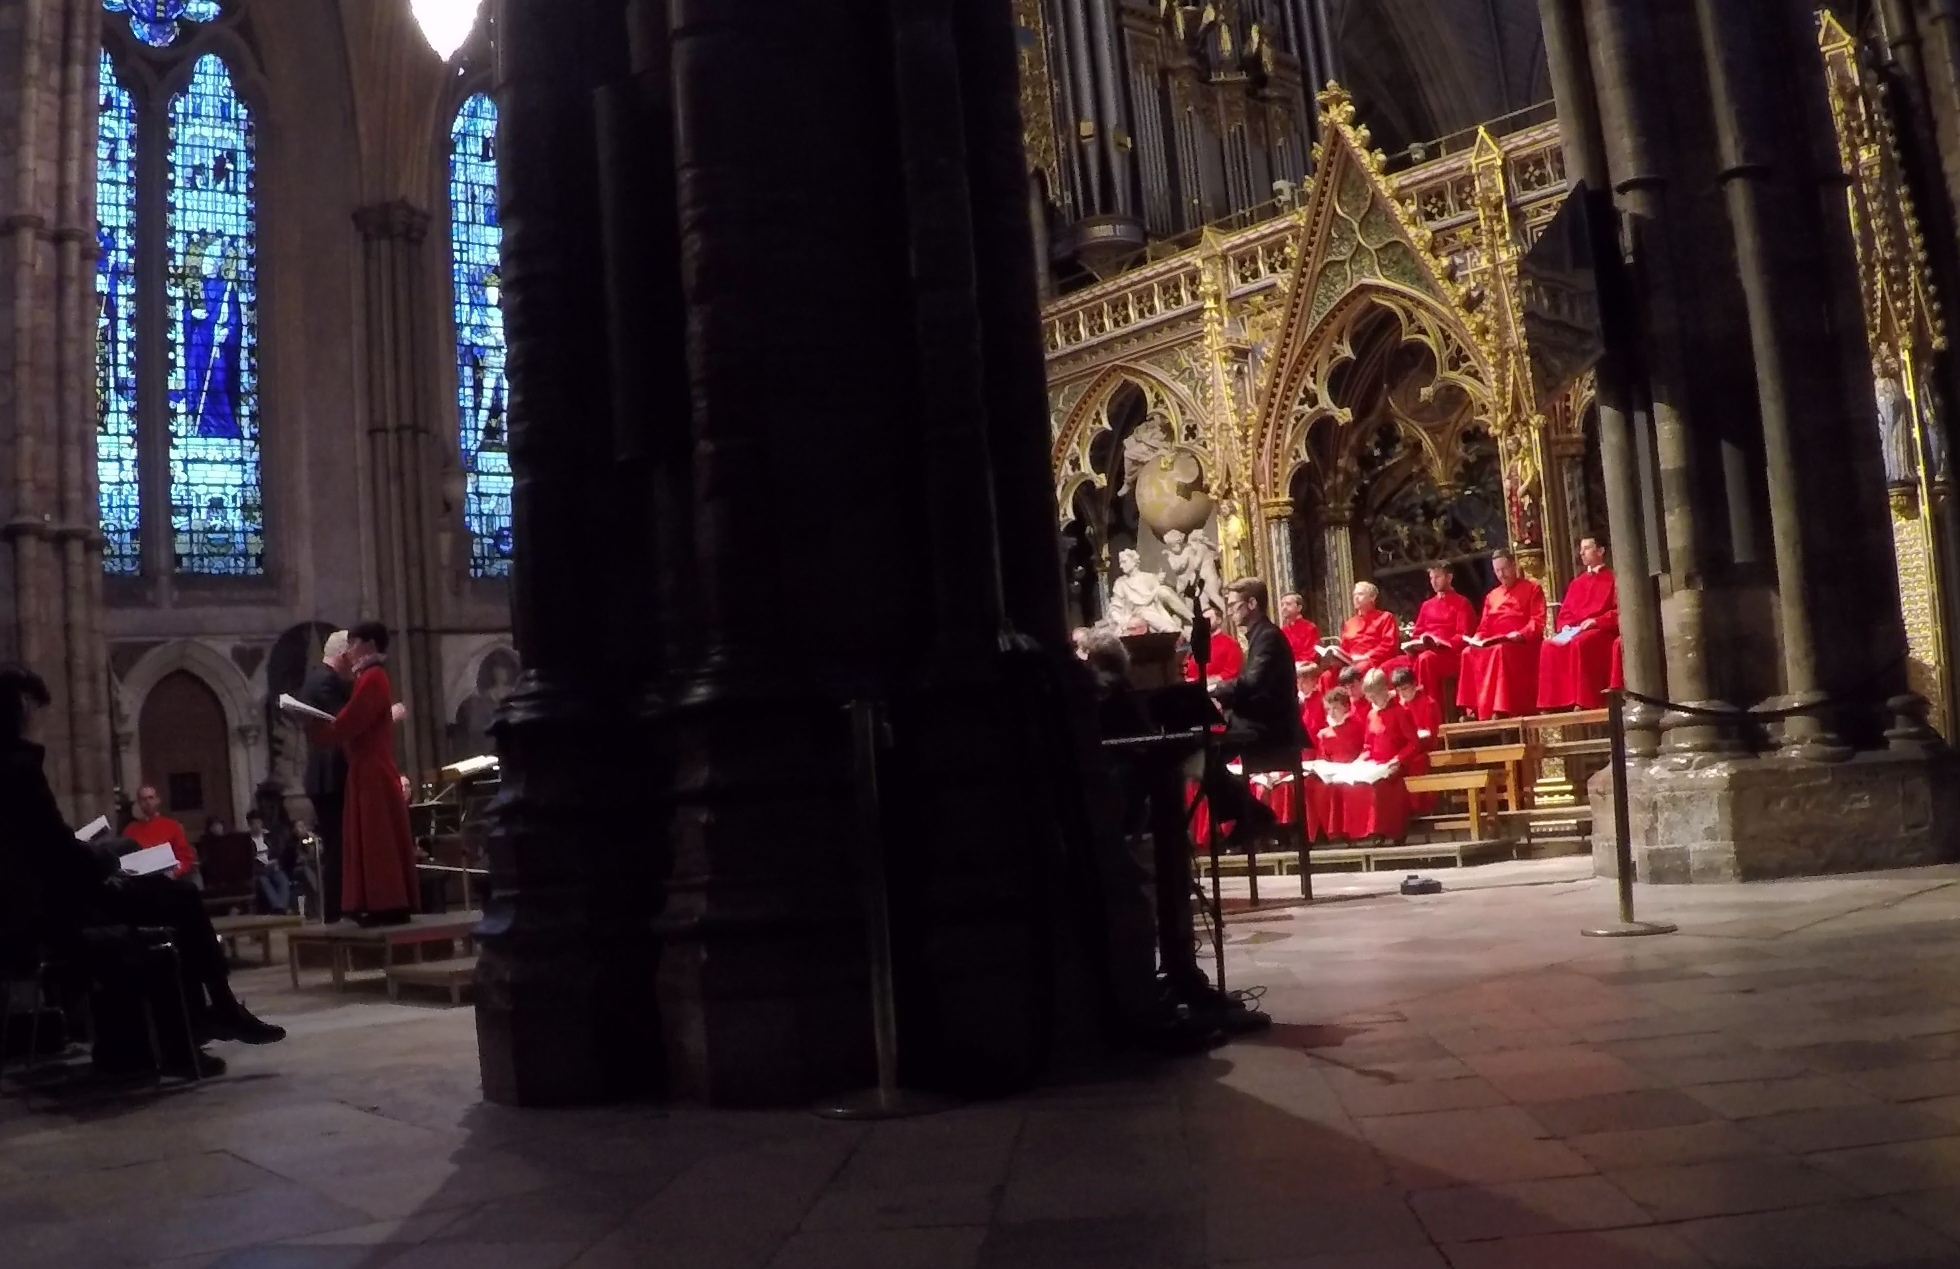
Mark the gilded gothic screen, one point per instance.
(178, 417)
(476, 244)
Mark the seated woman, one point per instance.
(1381, 809)
(71, 899)
(1339, 740)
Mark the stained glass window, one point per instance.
(120, 484)
(211, 323)
(482, 392)
(155, 21)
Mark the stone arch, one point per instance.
(1088, 418)
(246, 730)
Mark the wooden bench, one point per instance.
(232, 929)
(1475, 783)
(451, 975)
(342, 937)
(1508, 759)
(1459, 852)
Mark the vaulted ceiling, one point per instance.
(1421, 69)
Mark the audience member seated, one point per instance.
(152, 827)
(1500, 661)
(1435, 643)
(71, 899)
(1575, 666)
(271, 884)
(1381, 809)
(1223, 656)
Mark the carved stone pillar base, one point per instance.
(1776, 816)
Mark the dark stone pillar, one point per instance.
(402, 464)
(565, 1008)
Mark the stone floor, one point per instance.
(1460, 1080)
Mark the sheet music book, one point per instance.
(290, 704)
(1420, 642)
(1337, 652)
(93, 829)
(142, 863)
(1564, 636)
(1360, 771)
(472, 766)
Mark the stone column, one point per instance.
(50, 567)
(1624, 50)
(1278, 519)
(1337, 587)
(404, 466)
(565, 1009)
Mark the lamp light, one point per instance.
(446, 24)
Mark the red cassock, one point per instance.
(1304, 638)
(1502, 678)
(1381, 809)
(1224, 661)
(1372, 640)
(1446, 618)
(1332, 743)
(1573, 674)
(1428, 717)
(1618, 679)
(377, 848)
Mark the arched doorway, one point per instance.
(186, 748)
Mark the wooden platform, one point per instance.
(343, 937)
(453, 976)
(232, 929)
(1282, 863)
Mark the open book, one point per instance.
(144, 862)
(289, 704)
(93, 829)
(1334, 652)
(1360, 771)
(1420, 642)
(1564, 636)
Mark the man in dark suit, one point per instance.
(1262, 711)
(327, 686)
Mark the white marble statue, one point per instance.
(1144, 596)
(1895, 431)
(1152, 439)
(1194, 559)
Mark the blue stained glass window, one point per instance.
(119, 485)
(482, 392)
(211, 309)
(155, 21)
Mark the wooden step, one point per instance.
(453, 975)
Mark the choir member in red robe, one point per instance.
(1500, 661)
(1313, 710)
(1618, 679)
(1370, 638)
(1428, 718)
(1572, 674)
(1381, 809)
(152, 827)
(1339, 740)
(1225, 658)
(379, 885)
(1435, 646)
(1301, 634)
(1349, 682)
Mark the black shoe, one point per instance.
(238, 1023)
(209, 1066)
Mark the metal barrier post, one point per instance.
(1616, 723)
(887, 1100)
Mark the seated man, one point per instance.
(1500, 661)
(1301, 634)
(70, 897)
(1576, 663)
(1369, 639)
(152, 827)
(1435, 646)
(1261, 708)
(270, 884)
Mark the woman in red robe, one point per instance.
(1381, 809)
(378, 879)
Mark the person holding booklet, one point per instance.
(379, 884)
(1370, 639)
(1500, 661)
(1428, 718)
(1575, 667)
(1302, 635)
(1435, 645)
(75, 898)
(1379, 806)
(1338, 742)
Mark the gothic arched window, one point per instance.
(482, 392)
(177, 444)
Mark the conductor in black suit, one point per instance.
(1262, 711)
(327, 687)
